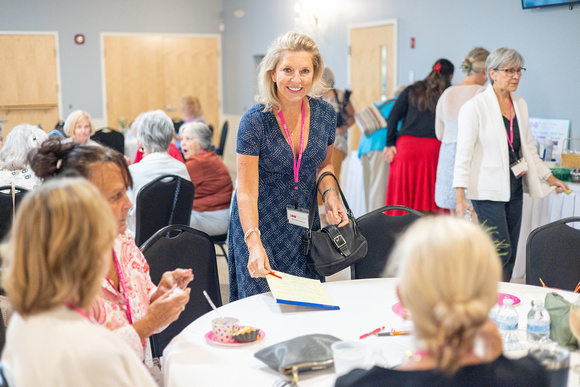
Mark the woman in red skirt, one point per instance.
(413, 151)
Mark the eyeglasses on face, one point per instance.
(512, 72)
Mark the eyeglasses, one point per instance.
(512, 72)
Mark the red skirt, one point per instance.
(413, 172)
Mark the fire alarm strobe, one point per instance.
(79, 39)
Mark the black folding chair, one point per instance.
(183, 247)
(381, 231)
(162, 202)
(223, 138)
(7, 208)
(110, 138)
(553, 254)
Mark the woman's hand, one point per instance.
(462, 204)
(335, 211)
(559, 184)
(162, 312)
(179, 277)
(389, 153)
(258, 263)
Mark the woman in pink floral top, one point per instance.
(129, 303)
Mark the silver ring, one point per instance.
(253, 271)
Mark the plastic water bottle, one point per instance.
(537, 145)
(508, 323)
(493, 314)
(549, 149)
(538, 322)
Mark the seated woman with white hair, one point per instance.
(14, 168)
(210, 177)
(448, 283)
(79, 127)
(154, 135)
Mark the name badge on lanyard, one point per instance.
(296, 216)
(520, 167)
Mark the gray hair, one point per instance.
(328, 76)
(19, 142)
(73, 119)
(155, 131)
(502, 57)
(201, 133)
(290, 41)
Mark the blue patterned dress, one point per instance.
(260, 135)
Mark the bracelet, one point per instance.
(326, 193)
(247, 234)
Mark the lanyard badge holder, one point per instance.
(296, 216)
(520, 167)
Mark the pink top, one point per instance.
(110, 308)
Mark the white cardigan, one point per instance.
(482, 159)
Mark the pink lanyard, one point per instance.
(78, 310)
(123, 287)
(511, 136)
(296, 162)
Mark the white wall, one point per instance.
(549, 40)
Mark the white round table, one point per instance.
(364, 305)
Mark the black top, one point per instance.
(415, 123)
(524, 372)
(517, 144)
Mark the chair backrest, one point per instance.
(111, 138)
(6, 209)
(381, 231)
(223, 138)
(553, 254)
(165, 200)
(184, 247)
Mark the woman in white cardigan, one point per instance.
(496, 160)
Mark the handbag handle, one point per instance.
(315, 202)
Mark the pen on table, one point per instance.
(394, 333)
(372, 332)
(274, 274)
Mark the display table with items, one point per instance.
(198, 358)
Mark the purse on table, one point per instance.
(303, 353)
(559, 309)
(332, 248)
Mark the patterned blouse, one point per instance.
(110, 308)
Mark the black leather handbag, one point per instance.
(332, 248)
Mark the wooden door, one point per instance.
(29, 79)
(147, 72)
(372, 70)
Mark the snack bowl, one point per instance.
(223, 329)
(246, 334)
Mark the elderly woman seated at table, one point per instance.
(154, 135)
(129, 303)
(79, 127)
(210, 177)
(52, 281)
(14, 167)
(449, 280)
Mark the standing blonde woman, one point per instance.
(473, 66)
(449, 279)
(52, 281)
(79, 127)
(284, 143)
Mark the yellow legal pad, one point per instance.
(295, 290)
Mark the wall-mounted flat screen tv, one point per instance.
(546, 3)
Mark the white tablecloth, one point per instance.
(538, 212)
(365, 305)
